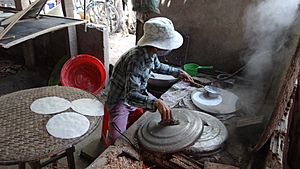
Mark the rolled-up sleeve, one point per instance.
(164, 68)
(133, 92)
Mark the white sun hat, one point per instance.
(159, 32)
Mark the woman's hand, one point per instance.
(185, 76)
(164, 110)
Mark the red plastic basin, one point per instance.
(85, 72)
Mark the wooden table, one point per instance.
(23, 134)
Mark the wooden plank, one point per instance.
(211, 165)
(10, 19)
(31, 28)
(18, 16)
(185, 162)
(294, 132)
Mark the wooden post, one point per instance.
(21, 4)
(63, 7)
(68, 10)
(106, 53)
(70, 157)
(293, 153)
(73, 40)
(28, 51)
(22, 165)
(35, 164)
(94, 42)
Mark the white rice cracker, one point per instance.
(89, 107)
(68, 125)
(50, 105)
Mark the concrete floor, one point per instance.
(119, 44)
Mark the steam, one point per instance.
(266, 26)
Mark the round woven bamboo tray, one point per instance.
(23, 134)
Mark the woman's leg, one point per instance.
(118, 117)
(118, 121)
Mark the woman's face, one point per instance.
(161, 52)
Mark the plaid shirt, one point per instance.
(130, 76)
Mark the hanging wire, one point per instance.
(84, 10)
(222, 77)
(125, 137)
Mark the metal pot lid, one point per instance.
(212, 138)
(168, 139)
(225, 103)
(212, 89)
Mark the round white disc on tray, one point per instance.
(200, 98)
(89, 107)
(50, 105)
(229, 102)
(68, 125)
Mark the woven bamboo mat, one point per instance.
(23, 134)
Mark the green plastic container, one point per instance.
(192, 68)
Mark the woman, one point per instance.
(132, 71)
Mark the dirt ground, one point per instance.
(118, 44)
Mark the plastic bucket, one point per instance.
(85, 72)
(191, 69)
